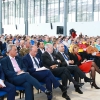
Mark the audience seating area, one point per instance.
(82, 43)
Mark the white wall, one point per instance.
(87, 28)
(11, 29)
(43, 29)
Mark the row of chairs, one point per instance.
(18, 88)
(21, 89)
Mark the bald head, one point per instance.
(33, 50)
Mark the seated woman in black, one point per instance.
(84, 64)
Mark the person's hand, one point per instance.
(1, 86)
(1, 56)
(84, 61)
(20, 72)
(53, 66)
(58, 61)
(71, 61)
(94, 53)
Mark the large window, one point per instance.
(97, 10)
(42, 11)
(61, 10)
(84, 10)
(71, 12)
(13, 11)
(52, 11)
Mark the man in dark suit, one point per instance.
(10, 89)
(54, 49)
(17, 43)
(54, 65)
(65, 61)
(15, 72)
(45, 75)
(41, 50)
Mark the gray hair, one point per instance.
(47, 45)
(30, 48)
(9, 47)
(58, 45)
(98, 40)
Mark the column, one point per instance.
(65, 16)
(20, 10)
(34, 10)
(26, 16)
(76, 12)
(7, 12)
(46, 10)
(0, 17)
(40, 12)
(15, 12)
(59, 10)
(92, 10)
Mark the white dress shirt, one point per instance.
(51, 56)
(34, 64)
(64, 58)
(42, 50)
(14, 63)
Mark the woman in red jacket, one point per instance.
(84, 64)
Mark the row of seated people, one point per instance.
(89, 50)
(16, 73)
(15, 69)
(39, 54)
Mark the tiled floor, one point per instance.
(88, 93)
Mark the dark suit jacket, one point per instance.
(28, 63)
(39, 75)
(39, 54)
(4, 46)
(1, 74)
(47, 61)
(0, 45)
(61, 58)
(18, 49)
(8, 67)
(75, 58)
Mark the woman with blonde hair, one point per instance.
(84, 64)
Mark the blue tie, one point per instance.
(65, 56)
(36, 62)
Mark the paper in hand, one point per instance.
(94, 53)
(42, 68)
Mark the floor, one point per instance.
(88, 93)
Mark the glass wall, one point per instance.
(48, 11)
(96, 10)
(13, 11)
(71, 10)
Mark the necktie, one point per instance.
(36, 62)
(15, 65)
(51, 57)
(65, 56)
